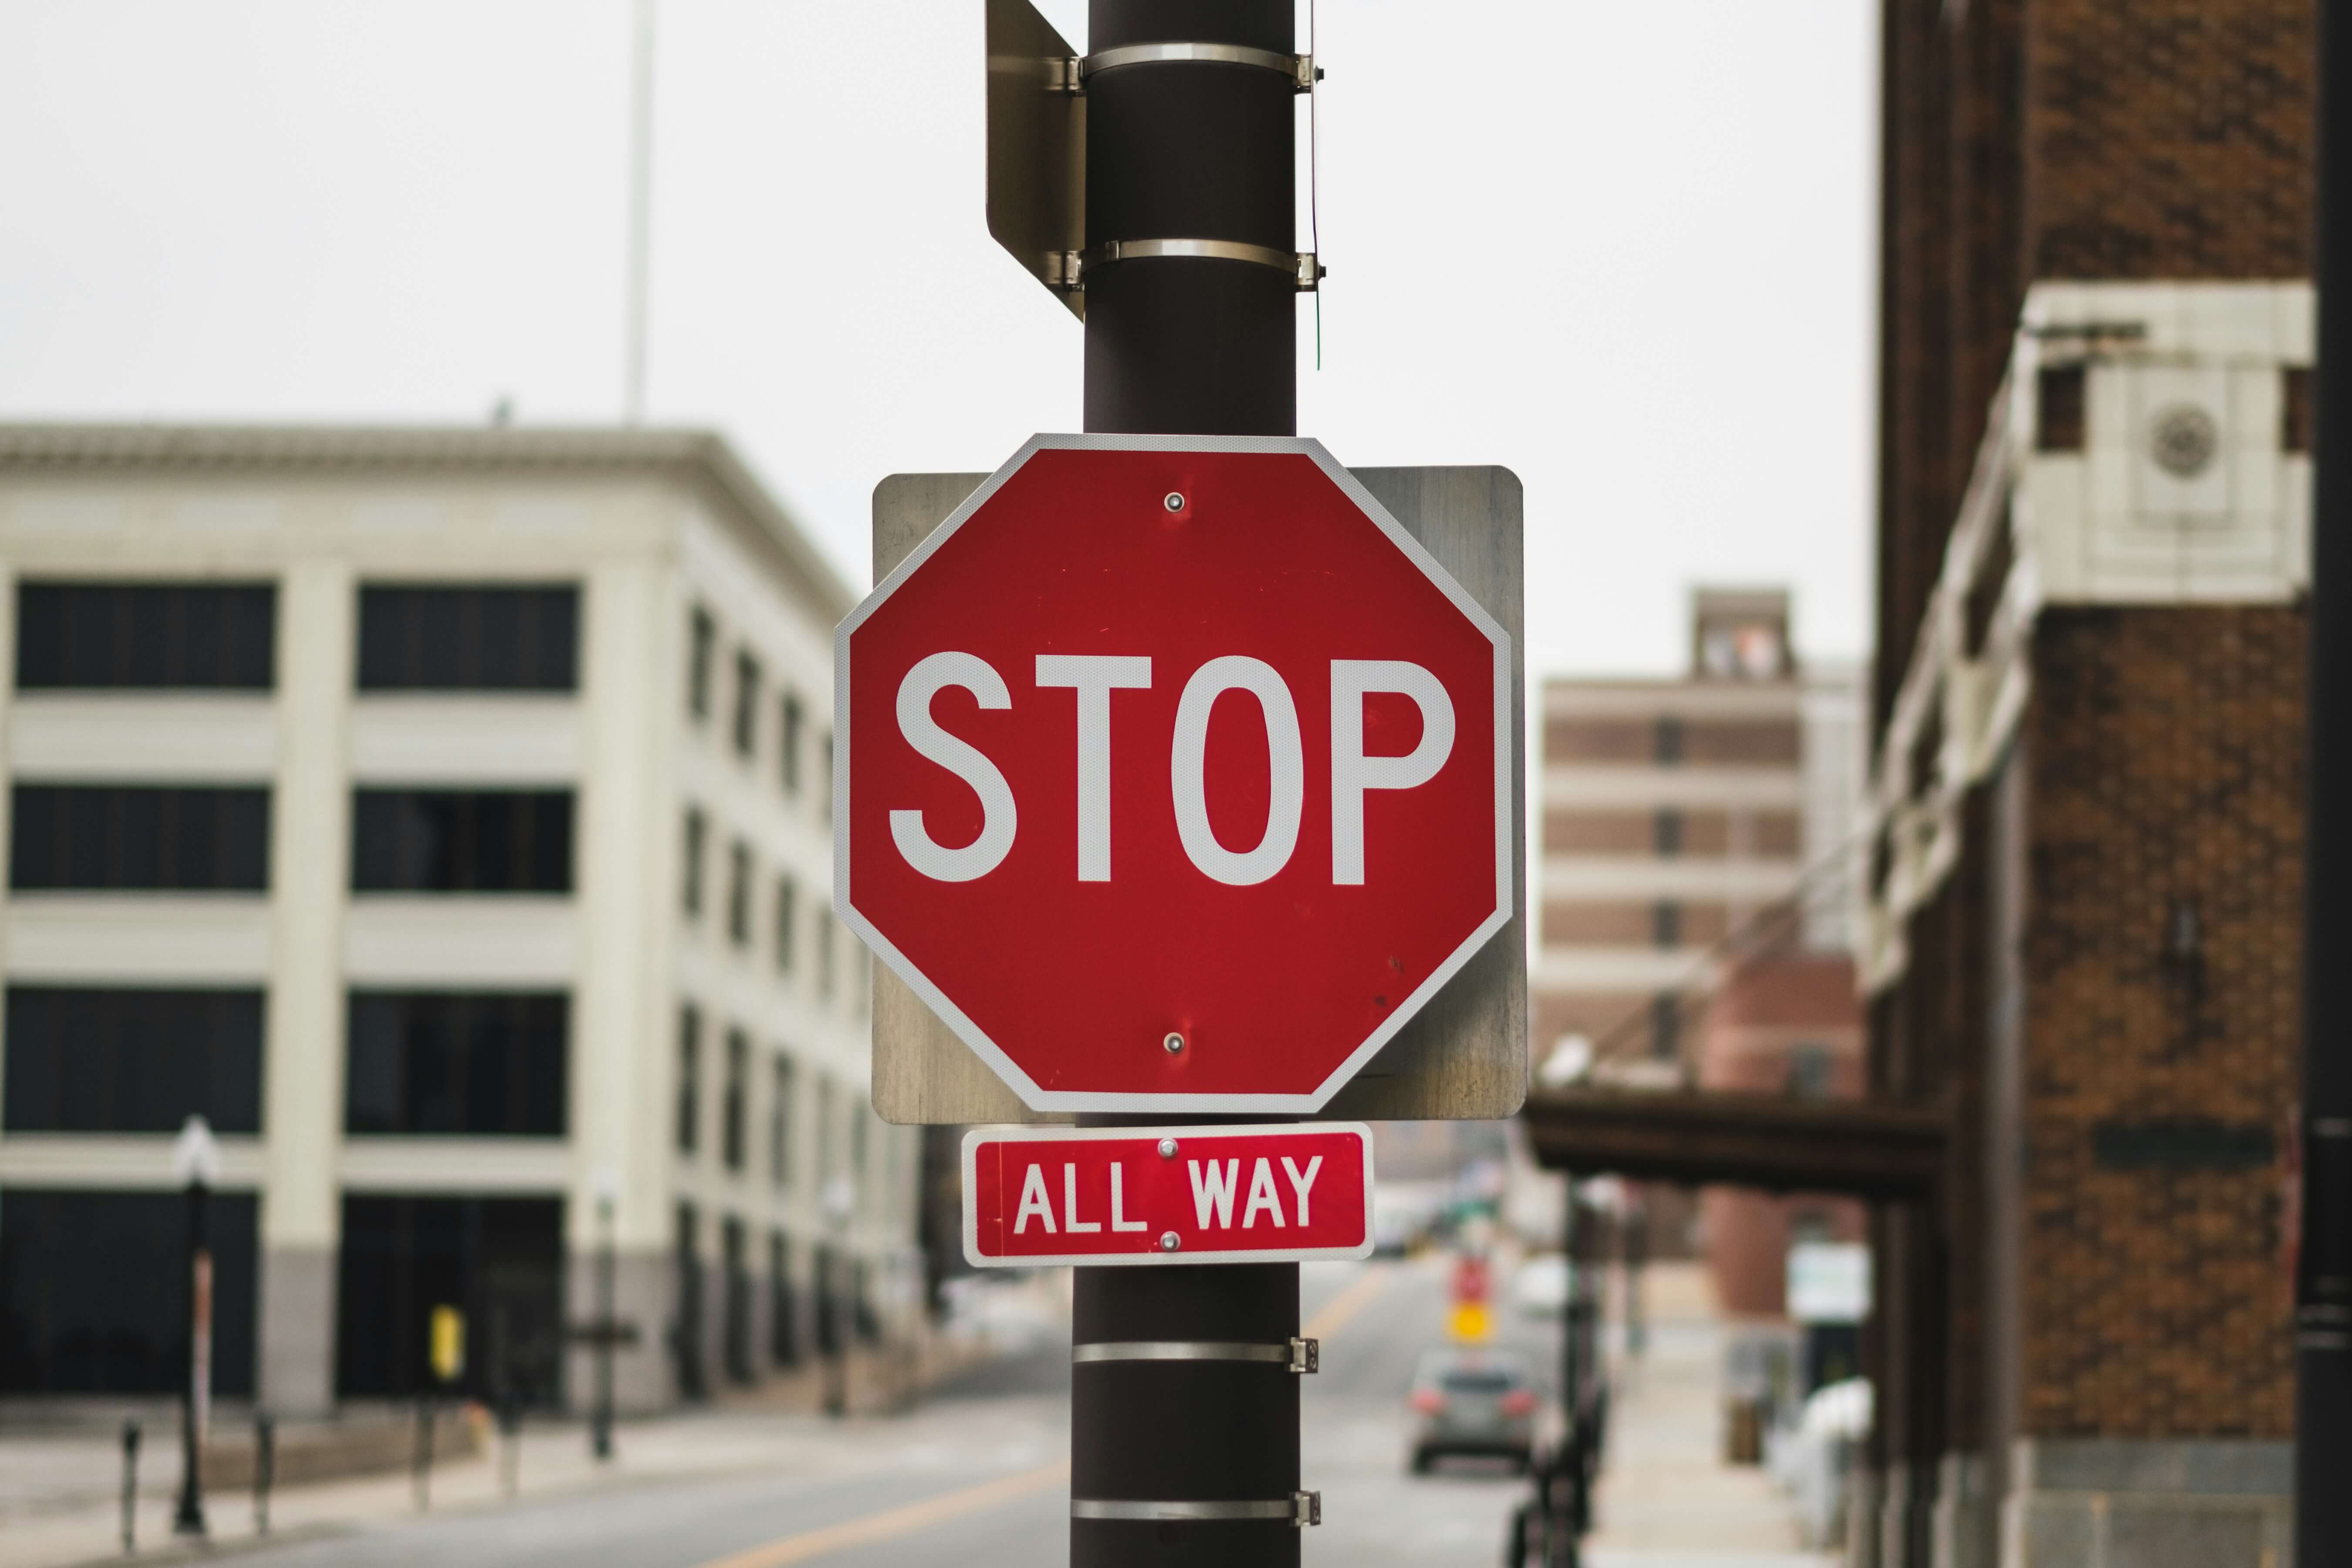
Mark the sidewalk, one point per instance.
(1666, 1498)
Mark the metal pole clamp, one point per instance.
(1303, 266)
(1300, 1355)
(1301, 1509)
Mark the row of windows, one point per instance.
(795, 768)
(223, 636)
(75, 837)
(734, 1108)
(121, 1060)
(742, 900)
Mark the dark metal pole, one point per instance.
(265, 1469)
(600, 1425)
(1188, 150)
(130, 1487)
(198, 1392)
(2324, 1259)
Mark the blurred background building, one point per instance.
(443, 814)
(2083, 929)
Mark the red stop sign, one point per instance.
(1175, 774)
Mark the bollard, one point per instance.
(130, 1487)
(265, 1468)
(422, 1466)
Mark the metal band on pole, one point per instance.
(1299, 68)
(1302, 265)
(1300, 1355)
(1299, 1509)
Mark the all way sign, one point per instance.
(1167, 1195)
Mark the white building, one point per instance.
(444, 813)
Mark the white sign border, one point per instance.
(979, 1135)
(1033, 1094)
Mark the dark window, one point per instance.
(747, 703)
(132, 1061)
(732, 1109)
(783, 1326)
(79, 636)
(2059, 408)
(689, 1080)
(1669, 831)
(825, 954)
(687, 1340)
(736, 1327)
(461, 841)
(487, 1065)
(139, 837)
(824, 777)
(91, 1296)
(2295, 410)
(1811, 1072)
(497, 1260)
(1666, 923)
(780, 1124)
(1669, 740)
(738, 894)
(1665, 1026)
(469, 639)
(790, 743)
(787, 909)
(702, 640)
(691, 881)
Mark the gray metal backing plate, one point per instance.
(1464, 1057)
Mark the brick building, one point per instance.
(2081, 931)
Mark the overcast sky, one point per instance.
(1623, 250)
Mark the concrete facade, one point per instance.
(658, 532)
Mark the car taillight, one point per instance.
(1518, 1402)
(1428, 1401)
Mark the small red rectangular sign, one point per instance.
(1167, 1195)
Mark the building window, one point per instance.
(702, 643)
(787, 913)
(825, 954)
(1669, 742)
(828, 1136)
(92, 1296)
(824, 778)
(1669, 832)
(1812, 1071)
(1666, 923)
(90, 1061)
(2295, 409)
(119, 837)
(858, 1148)
(1665, 1026)
(790, 743)
(784, 1312)
(468, 638)
(145, 636)
(687, 1340)
(747, 703)
(697, 828)
(461, 841)
(738, 894)
(689, 1080)
(483, 1065)
(500, 1260)
(780, 1124)
(735, 1326)
(732, 1109)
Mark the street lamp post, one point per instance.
(600, 1425)
(196, 1165)
(838, 1199)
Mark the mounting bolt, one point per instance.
(1174, 1042)
(1173, 501)
(1168, 1147)
(1169, 1241)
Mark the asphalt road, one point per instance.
(974, 1480)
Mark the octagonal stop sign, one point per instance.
(1174, 774)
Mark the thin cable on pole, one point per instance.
(1314, 180)
(641, 181)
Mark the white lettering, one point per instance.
(1299, 1184)
(1034, 1201)
(1070, 1220)
(1118, 1220)
(1285, 768)
(1262, 1196)
(1216, 1192)
(985, 853)
(1095, 676)
(1352, 772)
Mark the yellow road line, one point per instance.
(1335, 1312)
(892, 1522)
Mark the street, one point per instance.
(976, 1476)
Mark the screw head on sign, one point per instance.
(1173, 501)
(1174, 1042)
(1168, 1147)
(1169, 1241)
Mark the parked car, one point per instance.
(1473, 1402)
